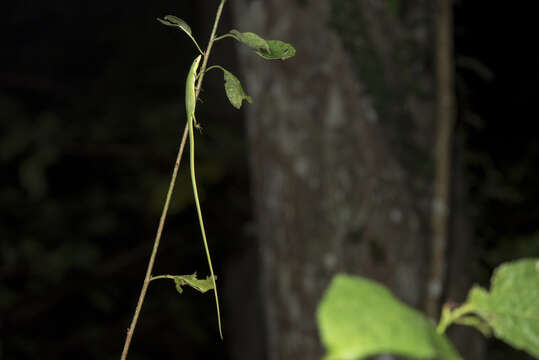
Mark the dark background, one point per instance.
(91, 115)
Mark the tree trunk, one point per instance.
(340, 141)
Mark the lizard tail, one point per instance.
(201, 222)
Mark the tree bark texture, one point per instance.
(340, 139)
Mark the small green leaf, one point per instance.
(358, 318)
(234, 91)
(164, 22)
(277, 50)
(171, 20)
(201, 285)
(252, 40)
(268, 49)
(511, 307)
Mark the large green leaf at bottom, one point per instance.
(359, 318)
(511, 307)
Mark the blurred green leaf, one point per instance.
(358, 318)
(511, 307)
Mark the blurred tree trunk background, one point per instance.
(341, 142)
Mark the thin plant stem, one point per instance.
(440, 213)
(172, 277)
(225, 36)
(215, 67)
(151, 262)
(450, 316)
(207, 53)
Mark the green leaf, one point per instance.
(252, 40)
(201, 285)
(511, 307)
(277, 50)
(171, 20)
(358, 318)
(268, 49)
(234, 91)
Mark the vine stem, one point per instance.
(225, 36)
(440, 214)
(151, 262)
(172, 277)
(450, 316)
(215, 67)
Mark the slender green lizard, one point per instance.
(190, 104)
